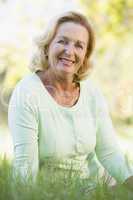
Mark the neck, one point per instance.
(59, 82)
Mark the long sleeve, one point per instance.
(107, 148)
(23, 125)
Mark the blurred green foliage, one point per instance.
(113, 16)
(112, 23)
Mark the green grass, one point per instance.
(52, 184)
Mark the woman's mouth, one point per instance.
(66, 61)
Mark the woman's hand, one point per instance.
(129, 183)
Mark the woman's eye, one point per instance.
(79, 46)
(61, 41)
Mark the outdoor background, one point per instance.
(22, 20)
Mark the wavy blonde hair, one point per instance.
(39, 60)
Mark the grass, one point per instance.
(52, 184)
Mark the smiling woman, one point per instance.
(57, 111)
(67, 50)
(39, 60)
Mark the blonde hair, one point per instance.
(39, 60)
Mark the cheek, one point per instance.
(56, 49)
(54, 52)
(82, 57)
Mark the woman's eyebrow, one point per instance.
(63, 37)
(81, 42)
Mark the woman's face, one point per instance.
(67, 50)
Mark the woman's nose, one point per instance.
(69, 49)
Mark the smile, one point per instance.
(66, 61)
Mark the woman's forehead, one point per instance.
(72, 30)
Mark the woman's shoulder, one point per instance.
(94, 90)
(29, 84)
(91, 86)
(25, 88)
(28, 81)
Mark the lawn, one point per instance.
(52, 185)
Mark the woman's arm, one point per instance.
(129, 183)
(107, 148)
(23, 125)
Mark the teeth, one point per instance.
(67, 60)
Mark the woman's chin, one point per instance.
(66, 68)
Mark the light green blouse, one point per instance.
(82, 134)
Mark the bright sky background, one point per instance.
(12, 13)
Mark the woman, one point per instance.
(56, 112)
